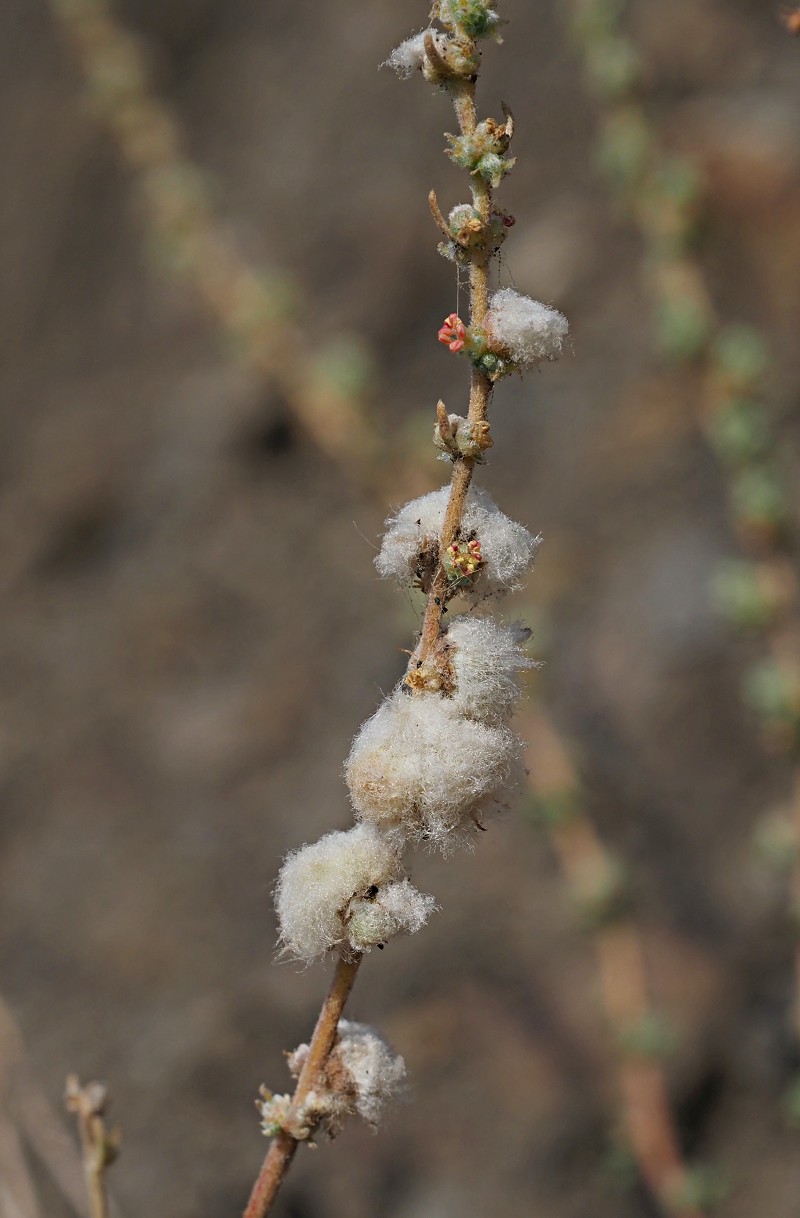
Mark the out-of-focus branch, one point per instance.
(99, 1145)
(597, 882)
(255, 308)
(29, 1126)
(759, 592)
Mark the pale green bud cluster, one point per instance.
(483, 151)
(471, 17)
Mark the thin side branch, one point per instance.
(436, 212)
(99, 1145)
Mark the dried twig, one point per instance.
(99, 1145)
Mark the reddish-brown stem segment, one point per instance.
(283, 1146)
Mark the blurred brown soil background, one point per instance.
(192, 629)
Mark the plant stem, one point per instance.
(284, 1145)
(282, 1149)
(99, 1146)
(480, 387)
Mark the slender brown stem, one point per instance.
(283, 1146)
(463, 93)
(99, 1146)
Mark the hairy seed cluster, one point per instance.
(439, 757)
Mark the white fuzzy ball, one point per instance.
(409, 57)
(418, 766)
(412, 536)
(377, 1071)
(486, 659)
(398, 908)
(361, 1074)
(318, 883)
(529, 330)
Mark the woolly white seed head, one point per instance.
(529, 330)
(409, 57)
(361, 1074)
(318, 883)
(398, 908)
(486, 659)
(412, 536)
(377, 1071)
(418, 766)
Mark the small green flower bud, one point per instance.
(614, 66)
(773, 693)
(494, 167)
(777, 841)
(759, 502)
(619, 1166)
(462, 59)
(483, 150)
(601, 896)
(555, 808)
(472, 17)
(741, 357)
(594, 19)
(682, 327)
(667, 205)
(741, 595)
(739, 431)
(624, 149)
(702, 1188)
(258, 301)
(344, 366)
(464, 223)
(116, 72)
(274, 1111)
(652, 1036)
(679, 182)
(463, 561)
(493, 366)
(469, 232)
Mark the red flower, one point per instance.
(453, 332)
